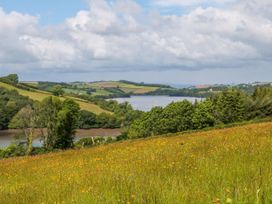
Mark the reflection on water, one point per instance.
(146, 103)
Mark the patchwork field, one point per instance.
(39, 95)
(219, 166)
(127, 88)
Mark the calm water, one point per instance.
(146, 103)
(9, 136)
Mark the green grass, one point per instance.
(38, 95)
(230, 165)
(127, 88)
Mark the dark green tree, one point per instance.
(87, 120)
(67, 122)
(203, 115)
(230, 106)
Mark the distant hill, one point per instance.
(39, 95)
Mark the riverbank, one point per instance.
(9, 136)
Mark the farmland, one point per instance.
(39, 95)
(127, 88)
(219, 166)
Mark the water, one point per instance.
(146, 103)
(10, 136)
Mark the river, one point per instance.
(9, 136)
(146, 103)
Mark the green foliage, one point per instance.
(105, 120)
(10, 103)
(93, 141)
(87, 120)
(203, 115)
(261, 103)
(60, 119)
(13, 150)
(230, 106)
(12, 79)
(175, 117)
(57, 90)
(67, 122)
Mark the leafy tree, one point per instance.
(26, 119)
(87, 120)
(203, 115)
(177, 117)
(10, 103)
(105, 120)
(67, 122)
(57, 90)
(10, 79)
(230, 106)
(48, 118)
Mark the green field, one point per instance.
(127, 88)
(40, 95)
(219, 166)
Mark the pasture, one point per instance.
(230, 165)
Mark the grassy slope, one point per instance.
(40, 95)
(123, 86)
(214, 166)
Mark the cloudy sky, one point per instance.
(166, 41)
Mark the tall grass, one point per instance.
(218, 166)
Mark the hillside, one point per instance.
(219, 166)
(124, 86)
(39, 95)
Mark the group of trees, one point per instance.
(10, 103)
(57, 121)
(89, 120)
(229, 106)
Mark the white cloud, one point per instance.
(188, 2)
(121, 36)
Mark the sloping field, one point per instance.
(40, 95)
(127, 88)
(220, 166)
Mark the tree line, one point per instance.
(229, 106)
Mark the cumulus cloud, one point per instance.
(188, 2)
(122, 36)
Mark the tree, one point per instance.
(230, 106)
(67, 122)
(87, 120)
(260, 104)
(57, 90)
(203, 115)
(48, 118)
(10, 103)
(26, 119)
(10, 79)
(177, 117)
(60, 120)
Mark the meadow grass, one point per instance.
(230, 165)
(39, 95)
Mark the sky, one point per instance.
(162, 41)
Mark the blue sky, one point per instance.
(56, 11)
(50, 11)
(169, 41)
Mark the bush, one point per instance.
(13, 150)
(85, 142)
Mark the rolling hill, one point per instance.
(219, 166)
(39, 95)
(126, 87)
